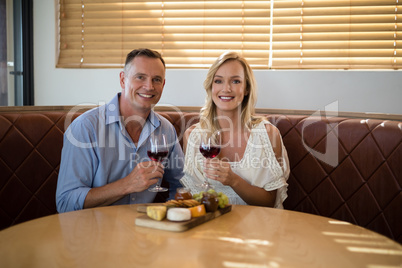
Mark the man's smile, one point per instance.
(148, 96)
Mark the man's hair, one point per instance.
(143, 52)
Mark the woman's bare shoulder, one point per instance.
(186, 136)
(275, 138)
(272, 130)
(189, 130)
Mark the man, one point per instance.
(104, 158)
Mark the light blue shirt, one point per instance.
(97, 150)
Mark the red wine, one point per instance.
(209, 151)
(157, 156)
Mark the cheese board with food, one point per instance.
(183, 214)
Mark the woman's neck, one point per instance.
(230, 120)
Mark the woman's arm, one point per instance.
(186, 136)
(221, 171)
(276, 141)
(252, 195)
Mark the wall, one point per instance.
(347, 91)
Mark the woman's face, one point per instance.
(229, 86)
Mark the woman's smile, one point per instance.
(226, 98)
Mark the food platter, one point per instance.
(145, 221)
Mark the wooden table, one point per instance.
(247, 236)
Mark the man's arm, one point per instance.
(78, 160)
(77, 171)
(139, 179)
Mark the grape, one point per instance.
(223, 200)
(220, 203)
(212, 192)
(197, 196)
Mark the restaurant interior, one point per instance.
(329, 79)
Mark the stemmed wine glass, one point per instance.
(210, 147)
(157, 151)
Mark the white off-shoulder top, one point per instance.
(259, 166)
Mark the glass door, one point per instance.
(16, 53)
(4, 44)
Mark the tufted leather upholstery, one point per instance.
(30, 151)
(362, 184)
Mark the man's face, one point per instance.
(142, 82)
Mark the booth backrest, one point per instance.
(343, 168)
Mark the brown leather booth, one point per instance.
(341, 167)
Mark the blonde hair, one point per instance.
(208, 111)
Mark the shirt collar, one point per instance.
(153, 119)
(112, 114)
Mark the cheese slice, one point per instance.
(156, 212)
(178, 214)
(197, 211)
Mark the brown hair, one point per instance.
(208, 112)
(143, 52)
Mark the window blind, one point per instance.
(278, 34)
(345, 34)
(187, 33)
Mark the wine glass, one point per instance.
(210, 147)
(157, 151)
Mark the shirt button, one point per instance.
(132, 198)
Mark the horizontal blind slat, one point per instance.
(319, 34)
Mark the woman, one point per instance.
(252, 167)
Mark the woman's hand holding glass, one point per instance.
(219, 170)
(210, 147)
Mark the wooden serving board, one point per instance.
(175, 226)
